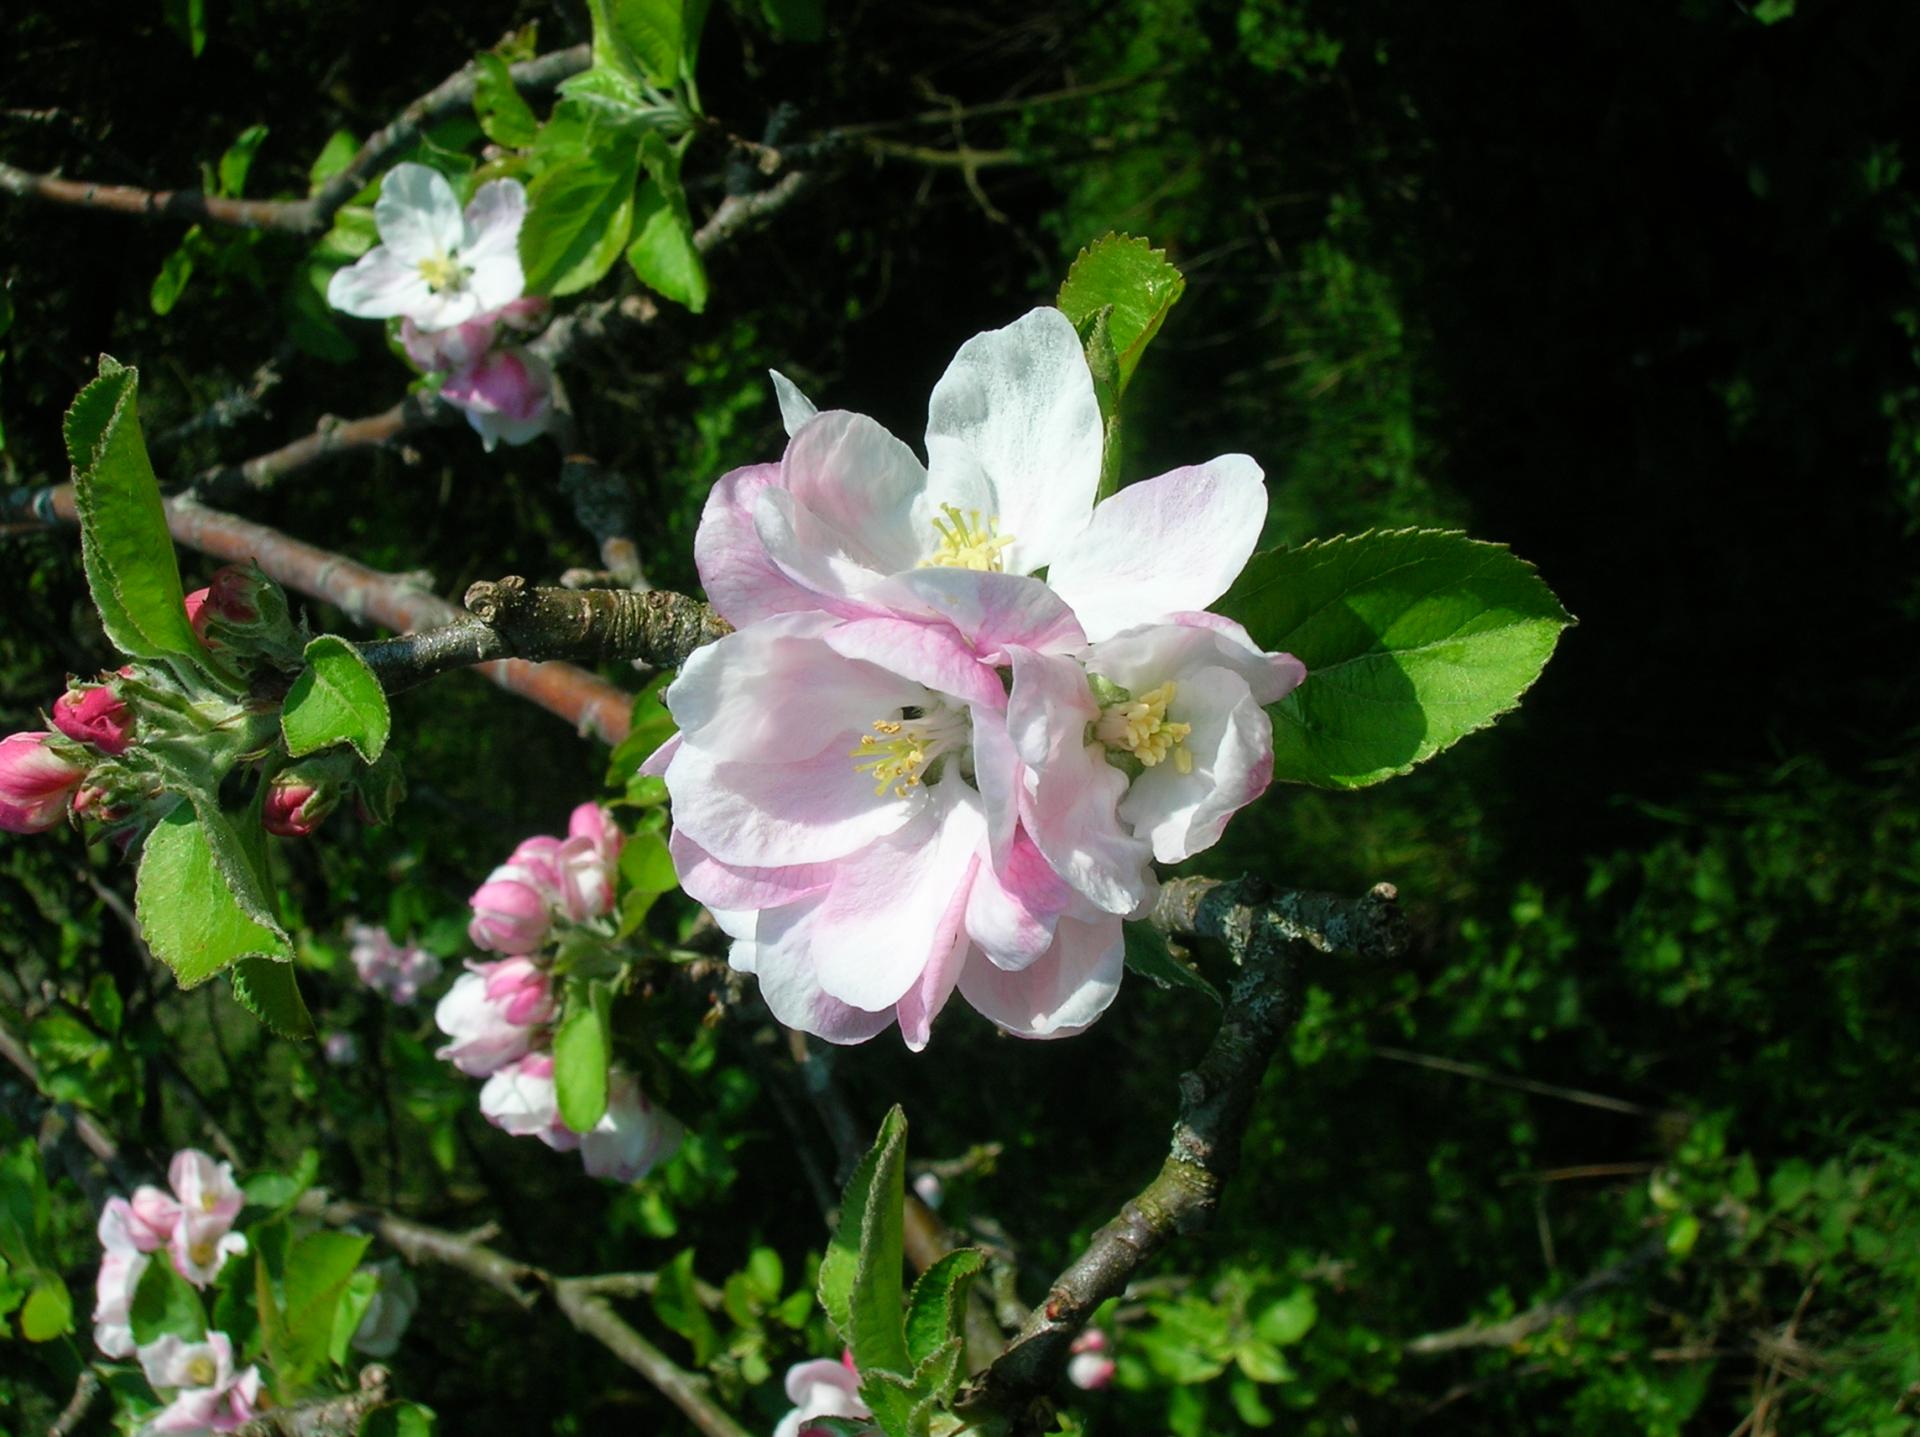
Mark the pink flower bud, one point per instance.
(295, 807)
(449, 349)
(233, 594)
(490, 1014)
(152, 1217)
(525, 314)
(35, 783)
(91, 714)
(196, 603)
(1090, 1368)
(507, 394)
(509, 912)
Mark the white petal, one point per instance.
(378, 286)
(860, 482)
(795, 408)
(492, 224)
(495, 281)
(1232, 752)
(1163, 545)
(776, 815)
(417, 215)
(1146, 657)
(1059, 995)
(740, 580)
(1017, 404)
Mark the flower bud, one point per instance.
(297, 805)
(340, 1048)
(491, 1012)
(520, 1099)
(36, 781)
(631, 1136)
(507, 394)
(244, 609)
(1090, 1368)
(90, 713)
(510, 913)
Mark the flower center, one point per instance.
(900, 752)
(201, 1253)
(208, 1202)
(1139, 726)
(201, 1371)
(967, 543)
(442, 272)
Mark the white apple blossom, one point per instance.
(436, 265)
(821, 1388)
(208, 1395)
(385, 1321)
(632, 1135)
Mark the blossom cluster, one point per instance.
(498, 1015)
(394, 970)
(917, 766)
(453, 279)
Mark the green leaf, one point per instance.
(579, 215)
(939, 1302)
(676, 1302)
(878, 1337)
(804, 21)
(104, 1005)
(175, 270)
(318, 1270)
(278, 1192)
(663, 253)
(48, 1312)
(334, 156)
(238, 160)
(361, 1289)
(398, 1419)
(165, 1302)
(901, 1409)
(24, 1205)
(188, 20)
(186, 905)
(503, 114)
(1412, 639)
(581, 1050)
(1147, 954)
(124, 544)
(336, 699)
(268, 989)
(1287, 1321)
(645, 38)
(1137, 280)
(842, 1259)
(646, 872)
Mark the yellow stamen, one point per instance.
(201, 1254)
(897, 758)
(208, 1202)
(1140, 727)
(441, 272)
(968, 543)
(201, 1371)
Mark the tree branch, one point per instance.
(328, 1417)
(313, 215)
(225, 482)
(1538, 1319)
(1267, 933)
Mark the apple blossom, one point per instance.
(92, 714)
(120, 1273)
(519, 1099)
(340, 1048)
(37, 778)
(506, 394)
(491, 1012)
(511, 910)
(208, 1395)
(821, 1388)
(295, 806)
(1089, 1368)
(152, 1216)
(396, 970)
(435, 264)
(631, 1136)
(1014, 447)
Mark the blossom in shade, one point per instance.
(123, 1260)
(506, 394)
(37, 778)
(1090, 1368)
(340, 1048)
(821, 1387)
(398, 971)
(631, 1136)
(91, 714)
(436, 265)
(491, 1012)
(208, 1395)
(394, 1302)
(519, 1099)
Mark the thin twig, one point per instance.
(86, 1392)
(327, 1417)
(1539, 1318)
(1481, 1074)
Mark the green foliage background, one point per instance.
(1634, 289)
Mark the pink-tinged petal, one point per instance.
(935, 657)
(792, 992)
(379, 285)
(1232, 762)
(656, 763)
(1018, 404)
(1015, 906)
(729, 887)
(890, 909)
(992, 612)
(830, 566)
(921, 1003)
(1163, 545)
(741, 581)
(1071, 798)
(776, 691)
(1062, 993)
(795, 408)
(194, 1410)
(774, 815)
(417, 215)
(996, 774)
(1144, 658)
(860, 482)
(492, 227)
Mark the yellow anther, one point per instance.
(201, 1253)
(1140, 727)
(894, 761)
(201, 1371)
(440, 273)
(968, 542)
